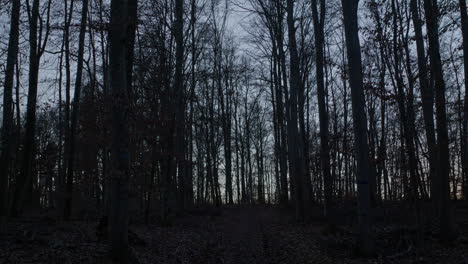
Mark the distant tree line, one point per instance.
(153, 108)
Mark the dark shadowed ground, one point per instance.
(233, 235)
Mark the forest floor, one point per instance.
(233, 235)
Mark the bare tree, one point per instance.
(426, 95)
(120, 27)
(350, 8)
(7, 126)
(75, 111)
(37, 44)
(65, 127)
(180, 104)
(443, 168)
(295, 149)
(464, 25)
(319, 20)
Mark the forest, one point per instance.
(234, 131)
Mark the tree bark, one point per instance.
(443, 205)
(410, 191)
(283, 106)
(318, 20)
(120, 27)
(294, 139)
(180, 103)
(464, 24)
(61, 183)
(24, 177)
(350, 8)
(426, 95)
(75, 111)
(7, 126)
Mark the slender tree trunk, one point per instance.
(249, 154)
(432, 14)
(294, 139)
(319, 20)
(350, 8)
(282, 108)
(24, 179)
(410, 126)
(464, 23)
(189, 179)
(180, 102)
(237, 149)
(382, 148)
(65, 126)
(120, 26)
(225, 120)
(75, 111)
(283, 165)
(405, 116)
(277, 141)
(427, 97)
(7, 126)
(132, 16)
(346, 173)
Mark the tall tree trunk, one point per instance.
(294, 139)
(382, 148)
(249, 153)
(277, 141)
(283, 165)
(403, 106)
(319, 20)
(120, 26)
(464, 23)
(189, 179)
(75, 111)
(225, 120)
(432, 14)
(65, 126)
(350, 8)
(282, 108)
(426, 95)
(24, 179)
(132, 16)
(180, 102)
(410, 125)
(347, 177)
(7, 126)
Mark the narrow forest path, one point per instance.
(243, 237)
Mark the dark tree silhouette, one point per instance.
(7, 126)
(360, 124)
(120, 28)
(443, 169)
